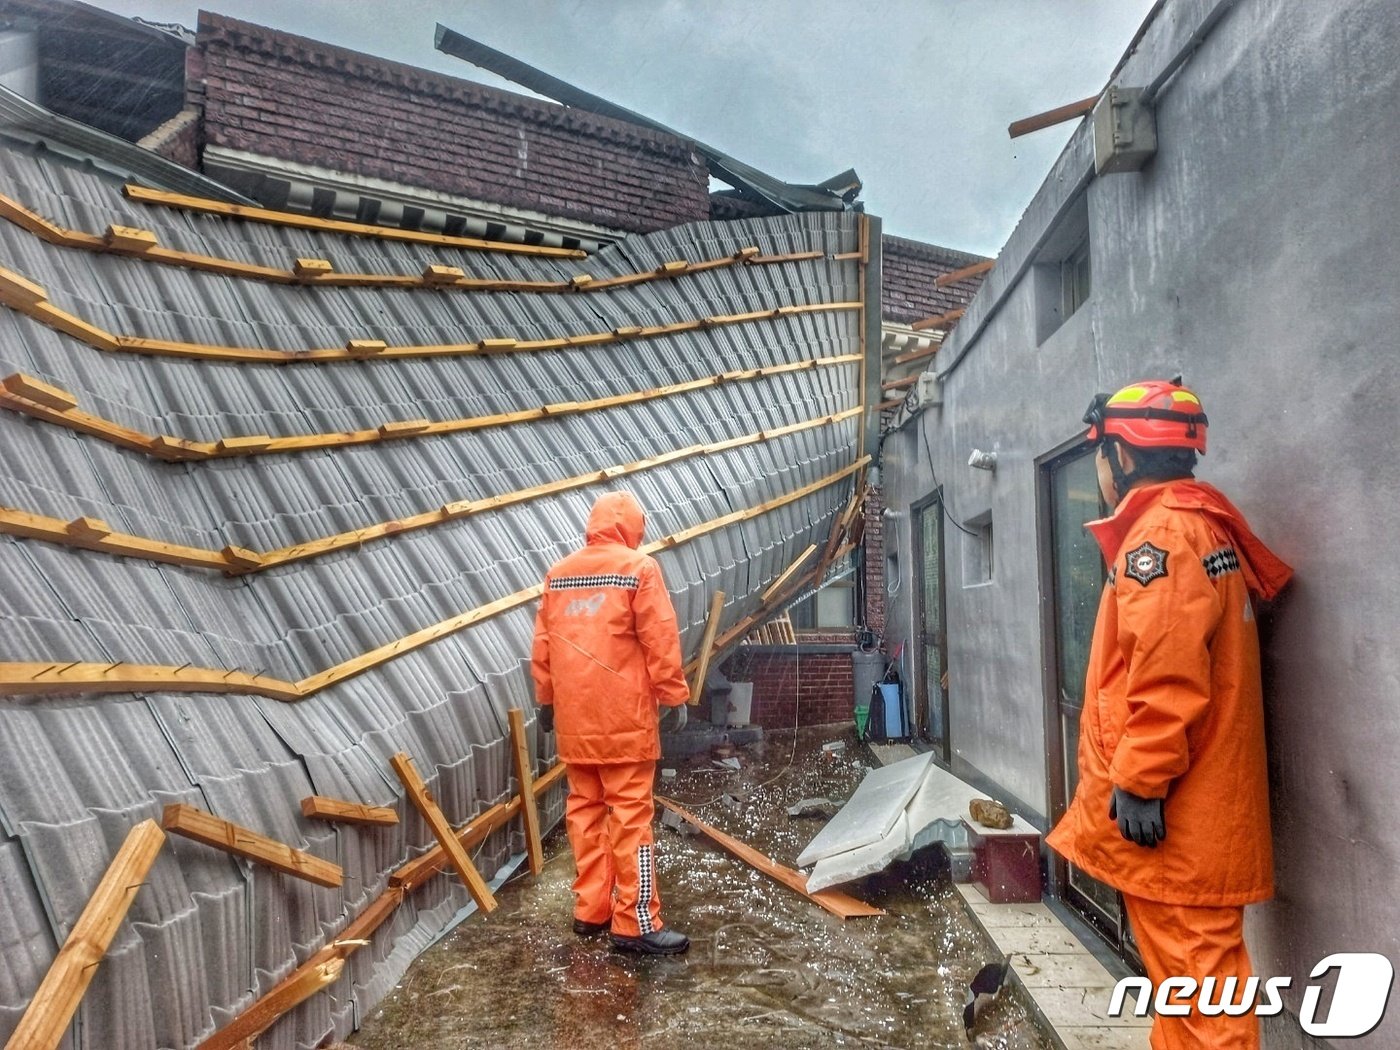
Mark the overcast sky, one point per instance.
(914, 94)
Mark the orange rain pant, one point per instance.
(1183, 941)
(608, 816)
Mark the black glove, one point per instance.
(1140, 820)
(673, 719)
(546, 717)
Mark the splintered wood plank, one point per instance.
(423, 801)
(787, 574)
(49, 1012)
(525, 774)
(242, 842)
(842, 905)
(412, 874)
(319, 807)
(318, 972)
(1051, 117)
(707, 644)
(954, 276)
(941, 321)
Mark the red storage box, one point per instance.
(1005, 864)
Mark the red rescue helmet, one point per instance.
(1154, 413)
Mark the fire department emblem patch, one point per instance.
(1146, 564)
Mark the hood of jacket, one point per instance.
(617, 517)
(1264, 572)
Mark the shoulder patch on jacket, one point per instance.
(1146, 563)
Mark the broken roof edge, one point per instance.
(834, 194)
(30, 122)
(218, 31)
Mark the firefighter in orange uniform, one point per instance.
(606, 656)
(1172, 806)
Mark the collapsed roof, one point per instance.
(304, 478)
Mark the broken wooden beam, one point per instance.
(707, 644)
(320, 807)
(1051, 117)
(415, 872)
(842, 905)
(941, 321)
(318, 972)
(52, 1008)
(427, 806)
(954, 276)
(525, 774)
(900, 384)
(243, 842)
(916, 355)
(787, 574)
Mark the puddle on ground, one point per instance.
(766, 968)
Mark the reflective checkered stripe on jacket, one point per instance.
(646, 886)
(579, 583)
(1218, 563)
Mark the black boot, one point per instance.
(590, 929)
(658, 942)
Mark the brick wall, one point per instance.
(908, 269)
(177, 139)
(875, 560)
(299, 100)
(815, 688)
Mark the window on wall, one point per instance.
(1063, 271)
(978, 550)
(832, 606)
(1076, 278)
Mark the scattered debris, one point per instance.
(834, 746)
(668, 774)
(983, 990)
(671, 819)
(908, 806)
(990, 813)
(814, 807)
(839, 904)
(729, 763)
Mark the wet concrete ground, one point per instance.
(766, 967)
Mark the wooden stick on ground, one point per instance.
(319, 807)
(49, 1012)
(525, 773)
(707, 644)
(214, 831)
(423, 801)
(842, 905)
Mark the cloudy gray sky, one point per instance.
(913, 94)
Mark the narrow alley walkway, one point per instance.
(766, 967)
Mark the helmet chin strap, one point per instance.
(1122, 480)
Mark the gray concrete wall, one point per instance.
(1257, 254)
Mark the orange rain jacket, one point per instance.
(607, 650)
(1173, 706)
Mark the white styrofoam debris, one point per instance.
(934, 813)
(877, 803)
(864, 860)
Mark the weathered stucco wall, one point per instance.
(1256, 254)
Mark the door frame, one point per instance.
(931, 504)
(1055, 767)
